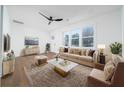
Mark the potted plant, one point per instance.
(116, 48)
(47, 47)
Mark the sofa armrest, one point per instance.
(95, 56)
(93, 82)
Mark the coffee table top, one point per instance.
(40, 57)
(61, 65)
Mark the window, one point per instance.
(88, 37)
(66, 40)
(75, 40)
(80, 37)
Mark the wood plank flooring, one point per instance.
(18, 77)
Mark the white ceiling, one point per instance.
(70, 13)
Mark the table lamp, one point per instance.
(101, 47)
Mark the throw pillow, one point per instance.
(87, 52)
(65, 49)
(77, 51)
(70, 50)
(116, 59)
(61, 49)
(83, 52)
(109, 70)
(91, 52)
(73, 50)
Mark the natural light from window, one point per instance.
(83, 37)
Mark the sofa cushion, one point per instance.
(98, 74)
(71, 50)
(77, 51)
(109, 70)
(74, 56)
(78, 57)
(64, 54)
(83, 52)
(86, 58)
(98, 77)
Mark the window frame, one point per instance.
(75, 39)
(65, 40)
(93, 36)
(80, 33)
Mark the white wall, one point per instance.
(1, 40)
(6, 25)
(107, 29)
(6, 21)
(122, 31)
(18, 33)
(5, 29)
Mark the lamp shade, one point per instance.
(101, 46)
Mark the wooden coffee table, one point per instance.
(61, 67)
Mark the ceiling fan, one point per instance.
(50, 18)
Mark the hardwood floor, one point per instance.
(18, 77)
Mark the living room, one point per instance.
(34, 35)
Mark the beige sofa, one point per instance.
(79, 55)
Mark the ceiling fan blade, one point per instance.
(49, 22)
(44, 16)
(50, 18)
(57, 19)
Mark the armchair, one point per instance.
(96, 77)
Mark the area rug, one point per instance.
(45, 76)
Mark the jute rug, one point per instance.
(45, 76)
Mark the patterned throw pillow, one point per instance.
(91, 52)
(109, 70)
(65, 49)
(116, 59)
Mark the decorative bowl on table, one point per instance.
(64, 63)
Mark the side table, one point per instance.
(102, 59)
